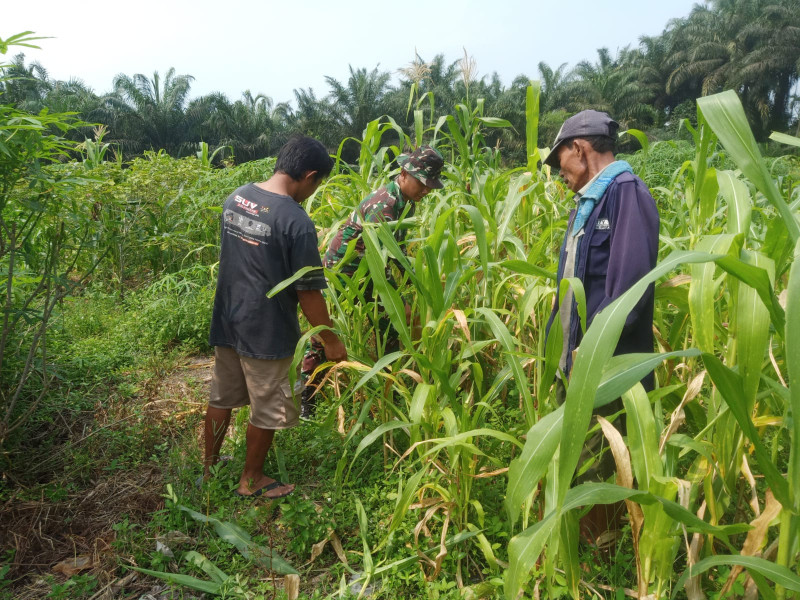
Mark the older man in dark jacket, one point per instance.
(612, 236)
(611, 242)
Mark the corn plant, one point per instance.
(732, 351)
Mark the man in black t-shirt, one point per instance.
(266, 237)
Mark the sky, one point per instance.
(273, 48)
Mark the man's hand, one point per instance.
(334, 349)
(313, 306)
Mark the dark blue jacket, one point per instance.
(619, 246)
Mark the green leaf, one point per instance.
(640, 136)
(194, 583)
(209, 568)
(737, 196)
(525, 471)
(524, 549)
(379, 366)
(377, 433)
(622, 372)
(509, 345)
(775, 573)
(793, 366)
(532, 95)
(751, 328)
(289, 281)
(596, 348)
(526, 268)
(405, 498)
(239, 538)
(494, 122)
(703, 289)
(642, 437)
(731, 387)
(708, 195)
(784, 138)
(390, 298)
(479, 226)
(758, 279)
(725, 115)
(363, 527)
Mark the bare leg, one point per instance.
(253, 479)
(217, 420)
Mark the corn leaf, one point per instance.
(205, 565)
(290, 280)
(793, 366)
(703, 288)
(524, 549)
(525, 472)
(405, 498)
(526, 268)
(737, 195)
(730, 386)
(240, 539)
(595, 350)
(509, 345)
(390, 298)
(621, 374)
(532, 95)
(642, 437)
(775, 573)
(784, 138)
(752, 329)
(725, 115)
(378, 432)
(209, 587)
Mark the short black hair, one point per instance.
(301, 154)
(599, 143)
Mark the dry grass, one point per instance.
(43, 533)
(75, 534)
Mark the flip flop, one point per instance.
(260, 491)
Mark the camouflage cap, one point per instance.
(424, 164)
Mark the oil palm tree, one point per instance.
(254, 126)
(715, 42)
(773, 65)
(152, 111)
(24, 86)
(359, 101)
(610, 85)
(312, 117)
(555, 87)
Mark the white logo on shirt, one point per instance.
(602, 225)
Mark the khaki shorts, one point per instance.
(263, 384)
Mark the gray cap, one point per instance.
(584, 124)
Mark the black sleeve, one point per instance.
(304, 253)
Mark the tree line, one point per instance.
(750, 46)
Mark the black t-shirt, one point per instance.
(265, 238)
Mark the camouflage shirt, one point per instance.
(384, 204)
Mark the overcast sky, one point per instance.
(273, 47)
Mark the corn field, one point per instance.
(710, 468)
(466, 412)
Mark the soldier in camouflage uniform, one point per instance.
(419, 174)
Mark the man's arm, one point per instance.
(634, 243)
(314, 308)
